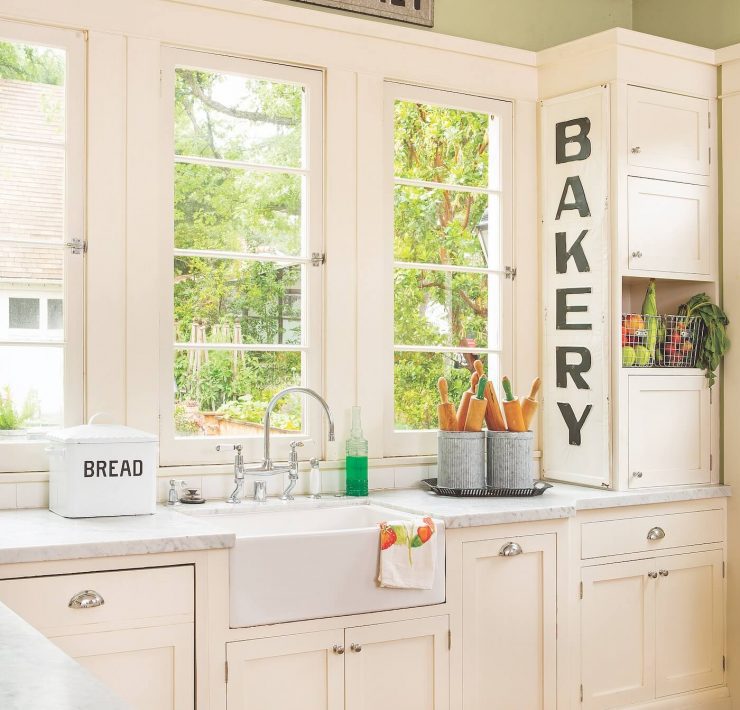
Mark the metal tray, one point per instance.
(537, 490)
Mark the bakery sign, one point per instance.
(418, 12)
(575, 272)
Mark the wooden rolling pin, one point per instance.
(529, 405)
(477, 408)
(462, 410)
(513, 408)
(446, 410)
(494, 418)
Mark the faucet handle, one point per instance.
(293, 453)
(294, 444)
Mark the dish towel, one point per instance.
(408, 554)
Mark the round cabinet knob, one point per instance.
(663, 573)
(356, 647)
(511, 549)
(656, 534)
(339, 650)
(653, 575)
(636, 150)
(637, 255)
(637, 474)
(87, 599)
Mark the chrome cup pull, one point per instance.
(656, 534)
(87, 599)
(511, 549)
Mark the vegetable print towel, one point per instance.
(408, 554)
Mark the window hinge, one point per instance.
(581, 593)
(318, 258)
(581, 692)
(510, 272)
(449, 640)
(226, 671)
(76, 246)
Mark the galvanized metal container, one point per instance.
(461, 461)
(509, 460)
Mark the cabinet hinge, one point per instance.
(226, 671)
(581, 692)
(510, 272)
(724, 567)
(724, 663)
(318, 258)
(709, 120)
(710, 155)
(581, 591)
(711, 462)
(449, 640)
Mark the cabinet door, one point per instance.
(617, 634)
(398, 666)
(509, 623)
(668, 131)
(303, 671)
(669, 227)
(689, 610)
(669, 430)
(150, 669)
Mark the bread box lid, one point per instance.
(100, 434)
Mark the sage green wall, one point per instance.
(708, 23)
(528, 24)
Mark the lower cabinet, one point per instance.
(651, 628)
(396, 666)
(510, 623)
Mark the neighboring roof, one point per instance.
(31, 180)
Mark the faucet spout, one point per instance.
(267, 463)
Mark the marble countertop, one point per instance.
(560, 501)
(37, 674)
(40, 535)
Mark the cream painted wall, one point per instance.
(527, 24)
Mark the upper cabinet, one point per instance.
(668, 131)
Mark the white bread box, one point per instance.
(101, 470)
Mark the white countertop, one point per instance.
(560, 501)
(37, 675)
(40, 535)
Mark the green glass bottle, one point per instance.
(356, 458)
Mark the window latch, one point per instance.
(318, 258)
(510, 272)
(76, 246)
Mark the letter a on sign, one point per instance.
(575, 287)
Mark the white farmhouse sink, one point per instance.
(295, 564)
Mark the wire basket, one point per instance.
(661, 341)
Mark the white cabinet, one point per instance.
(396, 666)
(669, 430)
(670, 227)
(651, 628)
(134, 629)
(509, 623)
(668, 131)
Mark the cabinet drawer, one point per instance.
(668, 131)
(130, 597)
(619, 537)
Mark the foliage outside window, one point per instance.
(447, 254)
(240, 267)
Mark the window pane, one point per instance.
(442, 308)
(231, 301)
(225, 393)
(23, 313)
(442, 227)
(238, 118)
(438, 144)
(228, 209)
(415, 391)
(30, 388)
(54, 314)
(32, 204)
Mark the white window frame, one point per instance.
(202, 450)
(424, 443)
(29, 455)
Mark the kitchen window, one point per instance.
(449, 164)
(243, 300)
(41, 211)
